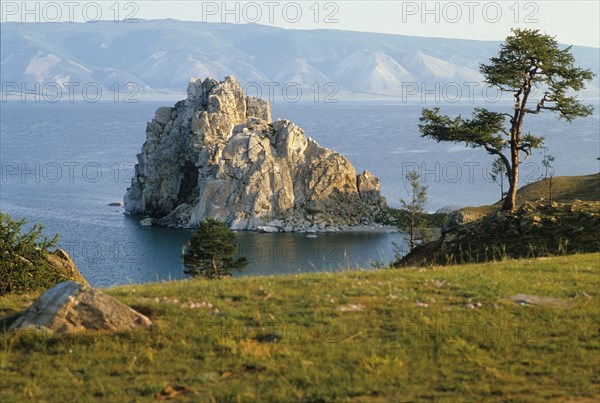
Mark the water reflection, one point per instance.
(297, 253)
(137, 254)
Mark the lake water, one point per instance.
(63, 163)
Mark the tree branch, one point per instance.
(526, 148)
(507, 89)
(494, 151)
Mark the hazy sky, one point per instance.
(573, 22)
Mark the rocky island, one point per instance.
(217, 154)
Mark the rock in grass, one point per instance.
(71, 307)
(526, 299)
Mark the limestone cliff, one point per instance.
(218, 155)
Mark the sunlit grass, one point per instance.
(444, 333)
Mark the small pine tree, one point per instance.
(413, 212)
(210, 252)
(498, 174)
(548, 170)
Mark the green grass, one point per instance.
(564, 188)
(442, 333)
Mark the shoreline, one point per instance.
(276, 228)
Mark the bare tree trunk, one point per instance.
(510, 202)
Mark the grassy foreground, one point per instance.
(443, 333)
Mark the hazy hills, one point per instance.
(159, 56)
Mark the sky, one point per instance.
(573, 22)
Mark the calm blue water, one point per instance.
(61, 164)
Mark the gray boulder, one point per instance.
(71, 307)
(460, 217)
(267, 228)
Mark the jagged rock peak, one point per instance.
(217, 155)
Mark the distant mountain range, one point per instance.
(159, 57)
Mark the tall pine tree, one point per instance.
(528, 61)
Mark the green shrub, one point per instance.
(23, 264)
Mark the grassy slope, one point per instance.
(442, 333)
(534, 230)
(564, 188)
(585, 187)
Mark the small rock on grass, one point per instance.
(526, 299)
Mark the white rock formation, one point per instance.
(218, 155)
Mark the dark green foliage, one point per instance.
(531, 59)
(210, 252)
(528, 61)
(23, 264)
(485, 129)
